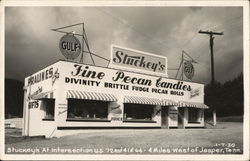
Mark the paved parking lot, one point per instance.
(225, 138)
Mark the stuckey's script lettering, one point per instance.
(137, 61)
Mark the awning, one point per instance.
(43, 95)
(167, 102)
(142, 100)
(192, 104)
(90, 95)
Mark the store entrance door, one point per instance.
(164, 117)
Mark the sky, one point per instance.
(30, 45)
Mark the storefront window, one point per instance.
(49, 107)
(193, 115)
(138, 111)
(87, 109)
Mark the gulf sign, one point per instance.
(188, 69)
(70, 46)
(134, 60)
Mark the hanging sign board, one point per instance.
(188, 69)
(70, 46)
(195, 92)
(138, 61)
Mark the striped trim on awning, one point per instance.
(44, 95)
(142, 100)
(167, 102)
(192, 104)
(90, 95)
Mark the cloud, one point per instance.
(31, 45)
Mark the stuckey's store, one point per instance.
(133, 92)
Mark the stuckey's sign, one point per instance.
(134, 60)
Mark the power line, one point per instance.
(201, 48)
(234, 25)
(195, 35)
(230, 27)
(230, 20)
(122, 21)
(136, 30)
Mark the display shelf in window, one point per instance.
(87, 110)
(87, 120)
(194, 115)
(138, 121)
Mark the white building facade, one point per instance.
(71, 96)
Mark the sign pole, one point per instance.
(81, 59)
(178, 70)
(68, 54)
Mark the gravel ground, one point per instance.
(225, 138)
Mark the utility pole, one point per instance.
(211, 33)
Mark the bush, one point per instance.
(227, 98)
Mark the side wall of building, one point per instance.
(37, 87)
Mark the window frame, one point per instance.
(193, 112)
(89, 103)
(136, 120)
(45, 107)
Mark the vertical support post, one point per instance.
(182, 61)
(183, 122)
(27, 111)
(28, 123)
(24, 129)
(202, 117)
(214, 117)
(182, 114)
(167, 117)
(185, 117)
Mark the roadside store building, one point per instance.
(69, 95)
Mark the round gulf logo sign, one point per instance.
(188, 69)
(70, 46)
